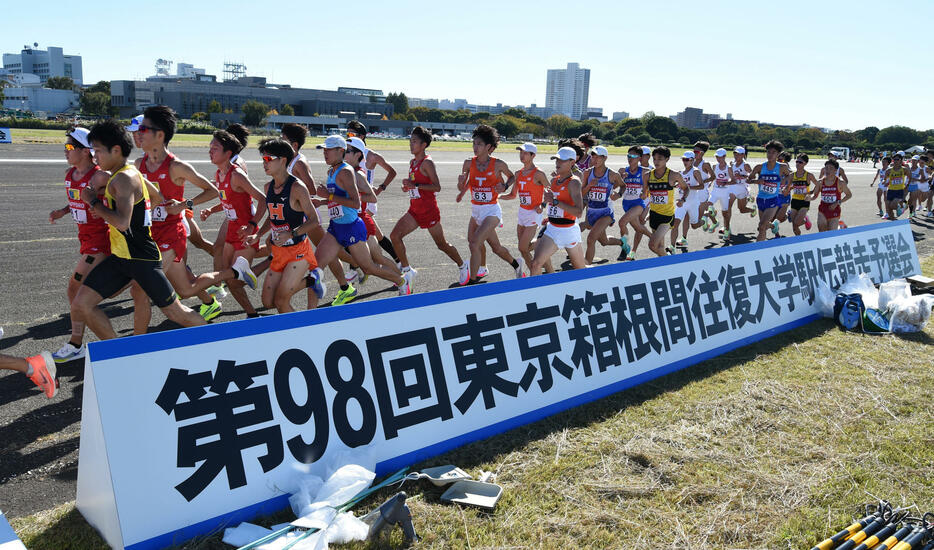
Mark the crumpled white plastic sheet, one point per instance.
(315, 501)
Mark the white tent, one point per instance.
(915, 149)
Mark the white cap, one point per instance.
(80, 135)
(900, 154)
(688, 155)
(646, 150)
(333, 142)
(528, 148)
(134, 123)
(916, 157)
(600, 151)
(721, 152)
(353, 142)
(740, 149)
(565, 153)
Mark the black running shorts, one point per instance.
(114, 273)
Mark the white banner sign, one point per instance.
(184, 430)
(8, 538)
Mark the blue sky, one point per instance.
(846, 64)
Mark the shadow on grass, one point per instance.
(70, 531)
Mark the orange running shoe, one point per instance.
(43, 373)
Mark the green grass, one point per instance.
(26, 136)
(774, 445)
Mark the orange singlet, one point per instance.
(556, 215)
(483, 184)
(530, 193)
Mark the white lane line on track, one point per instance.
(50, 239)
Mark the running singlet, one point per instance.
(87, 224)
(918, 175)
(419, 197)
(298, 158)
(530, 194)
(662, 194)
(483, 184)
(740, 172)
(830, 194)
(721, 175)
(633, 183)
(769, 181)
(136, 242)
(161, 179)
(238, 206)
(556, 215)
(882, 173)
(282, 218)
(799, 186)
(599, 194)
(337, 212)
(896, 178)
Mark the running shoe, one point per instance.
(716, 224)
(721, 230)
(519, 272)
(68, 352)
(669, 251)
(726, 235)
(881, 213)
(351, 276)
(482, 272)
(706, 226)
(754, 213)
(775, 227)
(885, 216)
(463, 275)
(345, 296)
(711, 212)
(930, 214)
(899, 211)
(631, 256)
(218, 291)
(625, 249)
(317, 283)
(412, 273)
(406, 287)
(242, 267)
(807, 223)
(840, 224)
(43, 373)
(210, 311)
(681, 243)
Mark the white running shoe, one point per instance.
(217, 291)
(406, 287)
(351, 276)
(244, 273)
(68, 353)
(519, 272)
(482, 272)
(462, 279)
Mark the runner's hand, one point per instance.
(55, 214)
(548, 196)
(243, 232)
(173, 206)
(88, 195)
(251, 239)
(407, 184)
(205, 214)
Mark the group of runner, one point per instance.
(135, 222)
(905, 186)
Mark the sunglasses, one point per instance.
(70, 147)
(634, 156)
(143, 128)
(270, 158)
(799, 162)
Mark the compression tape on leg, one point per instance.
(386, 245)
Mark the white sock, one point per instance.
(29, 370)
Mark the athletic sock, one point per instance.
(29, 370)
(515, 263)
(386, 245)
(72, 342)
(252, 315)
(345, 287)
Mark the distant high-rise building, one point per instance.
(620, 115)
(44, 63)
(692, 117)
(568, 90)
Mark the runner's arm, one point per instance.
(381, 162)
(240, 182)
(617, 181)
(303, 174)
(311, 215)
(847, 194)
(364, 188)
(183, 171)
(843, 176)
(428, 168)
(754, 175)
(122, 191)
(816, 192)
(462, 180)
(577, 195)
(709, 173)
(503, 169)
(345, 181)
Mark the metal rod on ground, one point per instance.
(830, 543)
(861, 535)
(398, 476)
(912, 540)
(877, 530)
(881, 535)
(888, 543)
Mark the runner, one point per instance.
(290, 217)
(372, 159)
(565, 204)
(802, 182)
(784, 194)
(829, 189)
(896, 178)
(634, 202)
(721, 194)
(134, 254)
(740, 187)
(708, 215)
(237, 194)
(586, 142)
(924, 187)
(880, 191)
(93, 236)
(241, 134)
(346, 229)
(169, 174)
(483, 176)
(38, 368)
(421, 186)
(769, 176)
(600, 190)
(919, 174)
(662, 192)
(689, 205)
(646, 157)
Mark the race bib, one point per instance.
(280, 230)
(768, 188)
(829, 198)
(801, 190)
(482, 196)
(723, 181)
(159, 214)
(597, 196)
(230, 213)
(634, 192)
(413, 193)
(334, 210)
(525, 200)
(555, 211)
(660, 199)
(147, 217)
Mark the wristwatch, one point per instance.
(554, 202)
(189, 204)
(95, 201)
